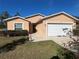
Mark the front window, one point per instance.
(18, 26)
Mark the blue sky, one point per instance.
(47, 7)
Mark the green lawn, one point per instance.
(33, 50)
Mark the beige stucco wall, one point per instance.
(34, 19)
(60, 19)
(10, 24)
(41, 33)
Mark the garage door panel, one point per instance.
(57, 29)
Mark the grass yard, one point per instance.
(5, 40)
(30, 50)
(33, 50)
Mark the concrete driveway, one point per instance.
(61, 40)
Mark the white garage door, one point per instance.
(58, 29)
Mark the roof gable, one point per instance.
(34, 15)
(13, 18)
(35, 18)
(61, 13)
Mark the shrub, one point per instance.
(21, 41)
(66, 54)
(11, 46)
(2, 26)
(16, 33)
(76, 32)
(55, 57)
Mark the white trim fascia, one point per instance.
(42, 15)
(71, 16)
(35, 15)
(13, 17)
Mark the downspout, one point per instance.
(30, 31)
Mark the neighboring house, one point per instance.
(43, 27)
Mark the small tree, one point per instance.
(74, 44)
(4, 15)
(66, 54)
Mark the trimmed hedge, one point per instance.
(16, 33)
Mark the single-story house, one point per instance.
(43, 27)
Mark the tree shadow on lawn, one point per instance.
(11, 46)
(55, 57)
(64, 54)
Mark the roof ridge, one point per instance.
(35, 15)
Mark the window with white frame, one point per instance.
(18, 26)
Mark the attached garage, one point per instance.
(58, 29)
(54, 26)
